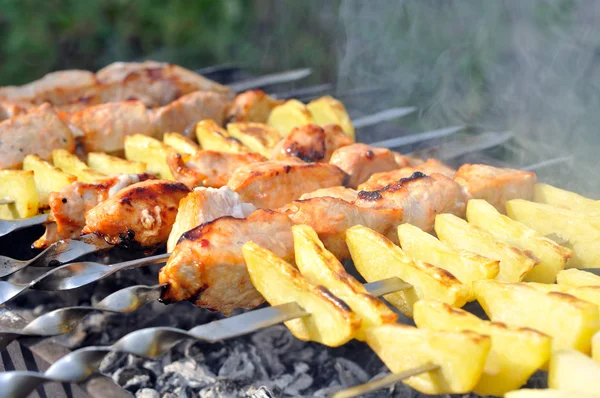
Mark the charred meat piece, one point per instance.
(347, 194)
(208, 168)
(188, 110)
(203, 205)
(39, 132)
(421, 197)
(495, 185)
(380, 180)
(272, 184)
(141, 214)
(104, 127)
(360, 161)
(311, 143)
(251, 106)
(68, 207)
(207, 265)
(331, 217)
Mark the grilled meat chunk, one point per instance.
(421, 197)
(203, 205)
(155, 75)
(380, 180)
(331, 217)
(39, 132)
(68, 207)
(207, 265)
(188, 110)
(208, 168)
(56, 88)
(347, 194)
(142, 213)
(251, 106)
(11, 109)
(104, 127)
(406, 161)
(311, 143)
(495, 185)
(361, 161)
(271, 184)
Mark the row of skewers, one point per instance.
(319, 183)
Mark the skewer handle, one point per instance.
(8, 226)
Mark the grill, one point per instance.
(266, 363)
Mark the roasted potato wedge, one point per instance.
(521, 305)
(258, 137)
(144, 149)
(291, 114)
(320, 267)
(47, 177)
(546, 393)
(577, 231)
(575, 277)
(466, 266)
(69, 163)
(516, 352)
(552, 256)
(331, 322)
(587, 293)
(461, 356)
(514, 263)
(114, 166)
(18, 186)
(376, 257)
(213, 137)
(596, 347)
(180, 143)
(572, 371)
(328, 110)
(544, 193)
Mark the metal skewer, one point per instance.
(270, 79)
(57, 253)
(151, 342)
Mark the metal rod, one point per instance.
(8, 226)
(418, 137)
(383, 116)
(6, 201)
(268, 80)
(385, 381)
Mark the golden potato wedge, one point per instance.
(466, 266)
(572, 371)
(291, 114)
(587, 293)
(516, 352)
(521, 305)
(180, 143)
(69, 163)
(330, 322)
(514, 263)
(596, 347)
(460, 355)
(114, 166)
(144, 149)
(376, 257)
(328, 110)
(18, 186)
(544, 193)
(47, 177)
(320, 267)
(552, 256)
(213, 137)
(575, 277)
(258, 137)
(546, 393)
(580, 230)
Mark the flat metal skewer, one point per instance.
(270, 79)
(151, 342)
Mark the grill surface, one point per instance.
(37, 354)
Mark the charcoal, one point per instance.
(260, 392)
(133, 375)
(147, 393)
(196, 376)
(237, 366)
(112, 361)
(137, 382)
(350, 372)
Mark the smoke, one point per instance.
(530, 67)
